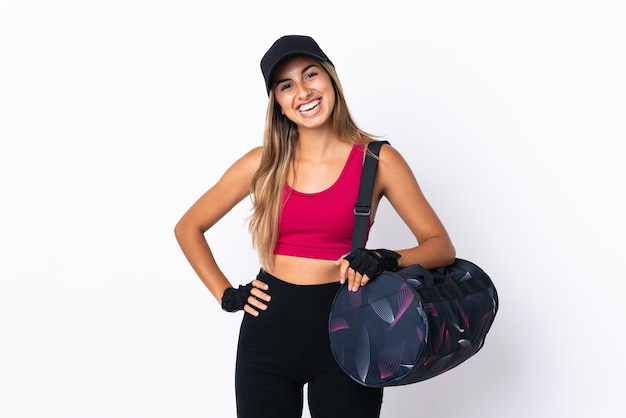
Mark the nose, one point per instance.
(303, 91)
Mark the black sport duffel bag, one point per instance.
(412, 324)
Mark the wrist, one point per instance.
(389, 259)
(234, 300)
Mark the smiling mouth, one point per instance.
(308, 107)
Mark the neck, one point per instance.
(317, 146)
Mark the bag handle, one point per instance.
(363, 207)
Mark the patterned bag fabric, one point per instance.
(412, 324)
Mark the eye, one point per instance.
(310, 74)
(284, 86)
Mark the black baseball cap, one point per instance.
(286, 47)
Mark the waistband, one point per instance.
(275, 282)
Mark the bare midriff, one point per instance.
(304, 271)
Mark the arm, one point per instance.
(396, 181)
(231, 189)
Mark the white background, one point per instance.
(116, 115)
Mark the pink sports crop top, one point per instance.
(319, 225)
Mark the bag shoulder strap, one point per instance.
(363, 207)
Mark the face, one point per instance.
(304, 92)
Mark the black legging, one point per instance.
(287, 346)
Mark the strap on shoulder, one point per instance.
(363, 207)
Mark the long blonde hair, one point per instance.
(279, 146)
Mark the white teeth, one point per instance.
(309, 106)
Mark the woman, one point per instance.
(303, 183)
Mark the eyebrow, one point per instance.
(304, 70)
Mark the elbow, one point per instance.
(450, 255)
(180, 230)
(447, 253)
(186, 228)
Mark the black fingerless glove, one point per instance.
(234, 300)
(373, 262)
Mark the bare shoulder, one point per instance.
(252, 158)
(246, 165)
(237, 178)
(389, 153)
(255, 153)
(392, 165)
